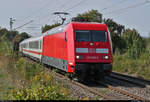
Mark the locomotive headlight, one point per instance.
(77, 57)
(106, 57)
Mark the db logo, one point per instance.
(92, 50)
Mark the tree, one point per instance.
(90, 16)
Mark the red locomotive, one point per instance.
(83, 48)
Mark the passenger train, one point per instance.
(78, 48)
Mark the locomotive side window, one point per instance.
(91, 35)
(98, 36)
(82, 35)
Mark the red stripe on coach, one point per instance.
(39, 53)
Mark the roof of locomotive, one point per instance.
(88, 25)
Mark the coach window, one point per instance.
(36, 44)
(30, 44)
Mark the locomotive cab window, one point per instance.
(91, 35)
(82, 35)
(98, 36)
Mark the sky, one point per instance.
(37, 13)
